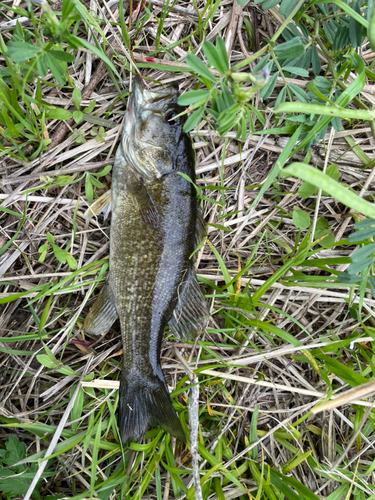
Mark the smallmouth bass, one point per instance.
(154, 229)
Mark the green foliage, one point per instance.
(15, 479)
(301, 218)
(224, 100)
(361, 270)
(63, 256)
(91, 180)
(317, 41)
(30, 54)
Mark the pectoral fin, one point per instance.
(102, 314)
(102, 204)
(145, 204)
(191, 312)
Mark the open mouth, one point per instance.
(144, 96)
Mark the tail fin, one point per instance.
(144, 402)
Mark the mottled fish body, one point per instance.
(153, 234)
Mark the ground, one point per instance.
(291, 302)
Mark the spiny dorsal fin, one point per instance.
(102, 314)
(191, 312)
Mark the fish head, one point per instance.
(152, 131)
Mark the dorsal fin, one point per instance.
(191, 312)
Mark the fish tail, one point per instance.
(145, 402)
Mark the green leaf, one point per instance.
(77, 116)
(356, 267)
(371, 280)
(306, 190)
(296, 71)
(58, 114)
(43, 256)
(15, 481)
(59, 254)
(362, 235)
(316, 109)
(343, 100)
(95, 50)
(268, 4)
(88, 189)
(299, 93)
(282, 482)
(22, 51)
(213, 57)
(290, 50)
(352, 13)
(301, 218)
(61, 55)
(348, 278)
(103, 172)
(56, 68)
(96, 183)
(322, 229)
(220, 47)
(199, 67)
(333, 172)
(44, 247)
(76, 96)
(41, 65)
(44, 316)
(192, 96)
(50, 238)
(342, 371)
(280, 97)
(90, 107)
(46, 361)
(76, 411)
(332, 187)
(72, 263)
(193, 119)
(363, 252)
(364, 223)
(315, 59)
(269, 86)
(15, 451)
(287, 7)
(253, 437)
(371, 30)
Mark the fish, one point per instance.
(155, 227)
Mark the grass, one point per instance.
(284, 141)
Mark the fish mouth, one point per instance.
(154, 99)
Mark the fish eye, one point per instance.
(169, 116)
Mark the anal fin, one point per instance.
(191, 311)
(102, 314)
